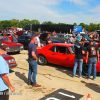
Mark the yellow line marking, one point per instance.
(62, 77)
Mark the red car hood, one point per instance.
(9, 43)
(7, 57)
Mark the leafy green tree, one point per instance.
(24, 22)
(34, 22)
(48, 23)
(75, 24)
(82, 24)
(61, 23)
(98, 26)
(6, 23)
(1, 25)
(14, 23)
(45, 22)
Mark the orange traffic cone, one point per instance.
(88, 97)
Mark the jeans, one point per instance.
(80, 61)
(4, 95)
(32, 69)
(90, 61)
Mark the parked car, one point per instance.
(25, 39)
(10, 60)
(60, 37)
(85, 36)
(43, 39)
(61, 54)
(12, 46)
(8, 35)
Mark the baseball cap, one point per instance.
(2, 46)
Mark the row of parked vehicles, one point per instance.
(56, 53)
(12, 47)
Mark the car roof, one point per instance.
(58, 44)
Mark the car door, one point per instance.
(61, 56)
(21, 39)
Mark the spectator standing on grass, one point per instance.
(79, 51)
(92, 54)
(32, 60)
(4, 75)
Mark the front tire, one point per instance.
(42, 60)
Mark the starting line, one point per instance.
(62, 77)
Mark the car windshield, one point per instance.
(28, 34)
(71, 49)
(4, 39)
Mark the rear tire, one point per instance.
(85, 69)
(42, 60)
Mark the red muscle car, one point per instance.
(12, 46)
(8, 35)
(61, 54)
(10, 60)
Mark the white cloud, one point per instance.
(95, 9)
(79, 2)
(40, 10)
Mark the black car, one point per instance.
(43, 38)
(25, 39)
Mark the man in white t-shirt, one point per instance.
(38, 40)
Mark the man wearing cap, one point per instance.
(4, 75)
(66, 38)
(79, 51)
(92, 54)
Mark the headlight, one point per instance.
(11, 61)
(7, 48)
(21, 47)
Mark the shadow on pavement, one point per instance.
(11, 71)
(22, 76)
(66, 70)
(92, 86)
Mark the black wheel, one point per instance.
(17, 52)
(85, 69)
(42, 60)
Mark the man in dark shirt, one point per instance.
(32, 60)
(48, 41)
(92, 54)
(79, 51)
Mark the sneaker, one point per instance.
(94, 79)
(80, 77)
(73, 76)
(88, 78)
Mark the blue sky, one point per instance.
(63, 11)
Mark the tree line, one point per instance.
(16, 23)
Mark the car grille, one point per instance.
(15, 48)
